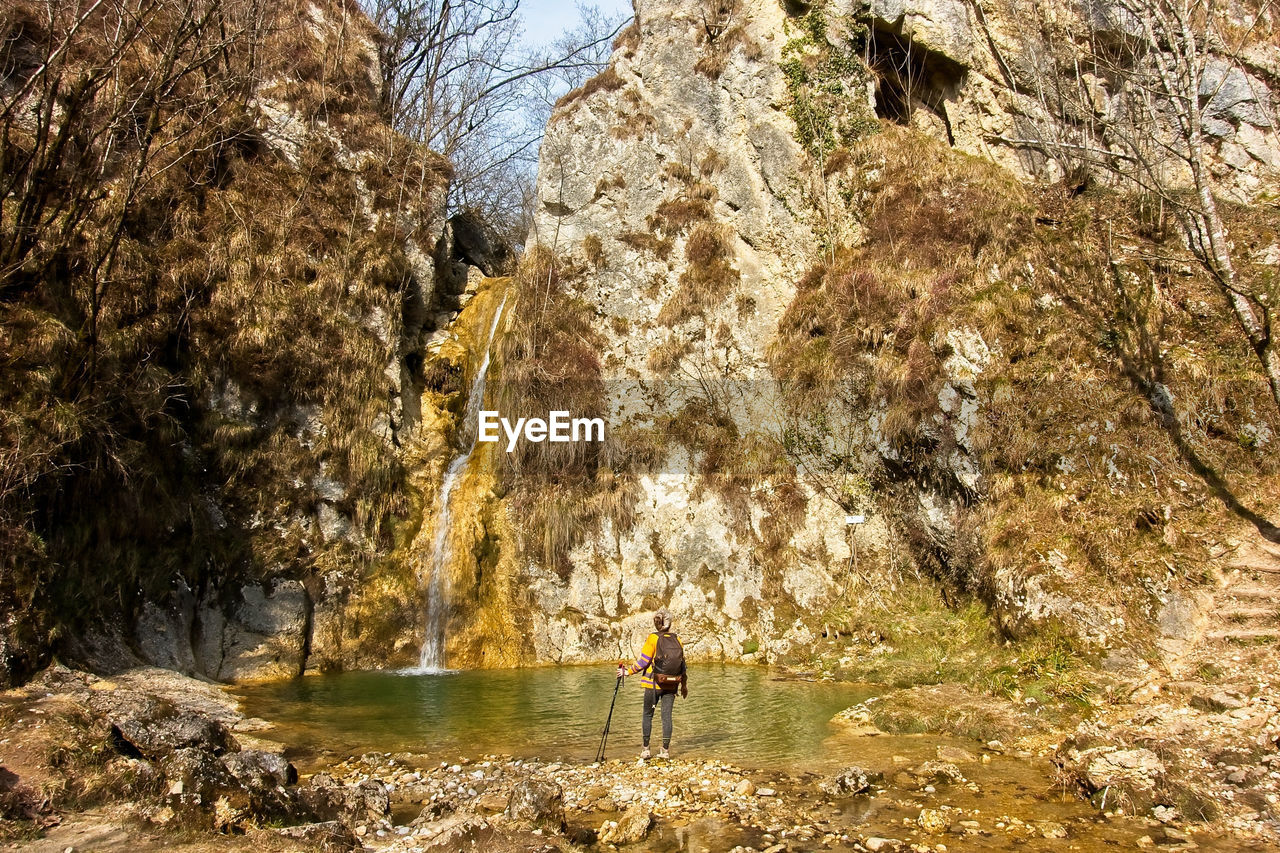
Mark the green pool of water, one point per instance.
(748, 715)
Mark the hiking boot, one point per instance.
(644, 753)
(662, 753)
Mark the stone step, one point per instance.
(1253, 593)
(1233, 614)
(1258, 580)
(1231, 626)
(1249, 636)
(1258, 548)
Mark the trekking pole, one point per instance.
(605, 735)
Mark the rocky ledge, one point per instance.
(158, 752)
(151, 760)
(498, 803)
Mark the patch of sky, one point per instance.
(545, 21)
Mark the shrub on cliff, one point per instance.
(549, 360)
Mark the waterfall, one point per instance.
(432, 658)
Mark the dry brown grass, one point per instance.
(549, 361)
(934, 220)
(560, 492)
(634, 126)
(643, 241)
(636, 119)
(1083, 320)
(606, 81)
(628, 40)
(837, 161)
(711, 164)
(674, 216)
(721, 31)
(709, 274)
(230, 272)
(678, 171)
(612, 182)
(594, 251)
(667, 354)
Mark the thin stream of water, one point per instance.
(431, 659)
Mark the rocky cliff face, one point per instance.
(220, 476)
(1027, 86)
(680, 158)
(807, 261)
(776, 285)
(350, 591)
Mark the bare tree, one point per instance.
(1151, 81)
(456, 78)
(1173, 85)
(80, 140)
(825, 443)
(110, 111)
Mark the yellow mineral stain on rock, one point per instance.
(380, 624)
(482, 629)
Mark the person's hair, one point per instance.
(662, 619)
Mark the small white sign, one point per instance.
(855, 519)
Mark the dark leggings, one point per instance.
(651, 698)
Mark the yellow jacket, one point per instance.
(645, 661)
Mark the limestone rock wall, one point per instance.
(334, 437)
(692, 132)
(690, 140)
(1018, 82)
(680, 186)
(661, 131)
(687, 134)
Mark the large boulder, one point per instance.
(196, 772)
(1131, 774)
(254, 768)
(936, 773)
(327, 799)
(164, 627)
(261, 779)
(538, 803)
(327, 836)
(152, 728)
(1113, 777)
(851, 780)
(633, 826)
